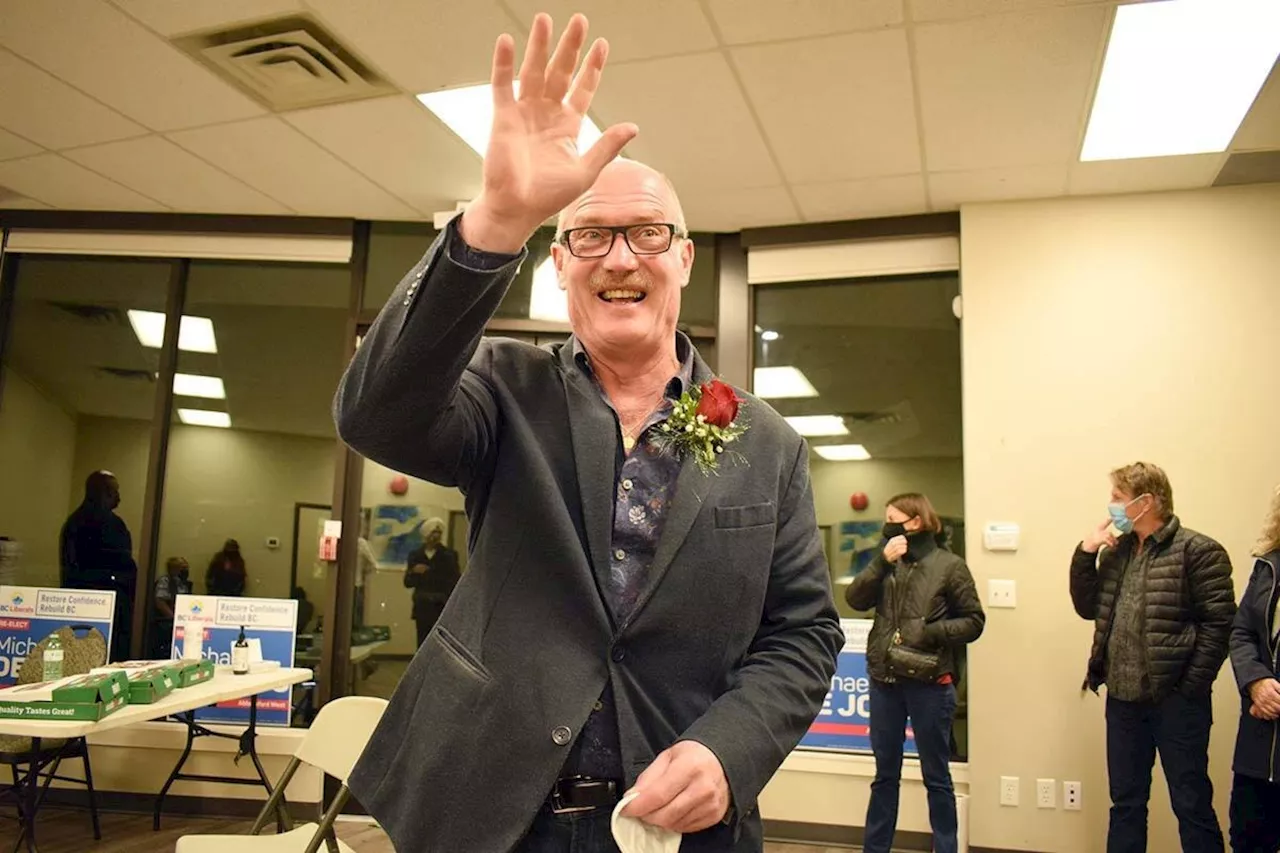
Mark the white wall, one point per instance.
(37, 446)
(1098, 332)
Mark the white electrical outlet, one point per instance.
(1008, 790)
(1046, 794)
(1071, 796)
(1001, 593)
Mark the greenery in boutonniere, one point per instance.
(704, 422)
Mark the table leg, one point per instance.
(29, 795)
(190, 719)
(249, 747)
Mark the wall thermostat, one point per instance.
(1000, 536)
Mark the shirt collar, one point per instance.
(678, 384)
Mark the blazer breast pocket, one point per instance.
(749, 515)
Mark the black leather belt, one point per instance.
(582, 794)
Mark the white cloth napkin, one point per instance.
(635, 836)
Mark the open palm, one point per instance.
(532, 168)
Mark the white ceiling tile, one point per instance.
(272, 157)
(57, 181)
(940, 10)
(634, 30)
(861, 199)
(1260, 130)
(949, 190)
(422, 45)
(693, 118)
(50, 113)
(400, 145)
(835, 108)
(108, 55)
(179, 17)
(157, 168)
(745, 21)
(13, 147)
(1145, 175)
(734, 209)
(1009, 90)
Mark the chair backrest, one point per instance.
(80, 653)
(339, 733)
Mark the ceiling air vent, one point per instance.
(128, 373)
(286, 64)
(100, 314)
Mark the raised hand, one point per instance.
(532, 168)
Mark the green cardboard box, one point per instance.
(80, 697)
(183, 673)
(151, 685)
(191, 672)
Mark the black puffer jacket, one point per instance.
(929, 596)
(1190, 602)
(1253, 657)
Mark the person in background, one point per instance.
(227, 574)
(366, 565)
(96, 552)
(927, 608)
(432, 573)
(1161, 600)
(1255, 644)
(306, 610)
(175, 581)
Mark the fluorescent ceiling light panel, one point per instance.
(468, 112)
(816, 425)
(843, 452)
(1179, 76)
(195, 334)
(191, 385)
(204, 417)
(778, 383)
(546, 300)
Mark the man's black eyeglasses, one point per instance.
(596, 241)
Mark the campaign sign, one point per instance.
(844, 723)
(28, 614)
(271, 621)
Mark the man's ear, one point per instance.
(686, 260)
(559, 257)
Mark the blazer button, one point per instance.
(618, 654)
(561, 735)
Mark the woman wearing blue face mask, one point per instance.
(926, 608)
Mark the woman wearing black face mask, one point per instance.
(926, 606)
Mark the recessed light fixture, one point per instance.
(195, 334)
(769, 335)
(778, 383)
(1179, 76)
(204, 417)
(842, 452)
(191, 385)
(468, 112)
(546, 300)
(817, 425)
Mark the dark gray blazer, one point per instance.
(732, 644)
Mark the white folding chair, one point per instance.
(337, 736)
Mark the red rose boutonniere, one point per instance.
(704, 422)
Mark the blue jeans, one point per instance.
(1179, 728)
(586, 832)
(931, 707)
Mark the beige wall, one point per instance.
(1098, 332)
(220, 483)
(833, 482)
(37, 445)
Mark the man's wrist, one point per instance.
(484, 229)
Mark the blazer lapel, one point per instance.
(595, 447)
(693, 488)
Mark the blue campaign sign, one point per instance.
(271, 621)
(28, 614)
(844, 723)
